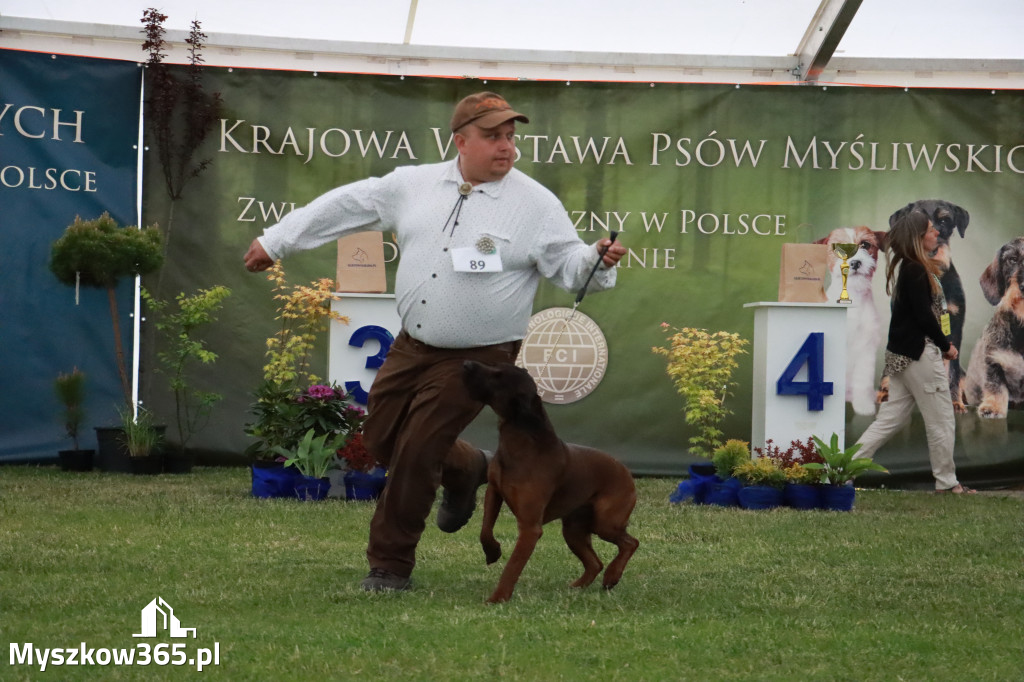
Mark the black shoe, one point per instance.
(380, 580)
(457, 505)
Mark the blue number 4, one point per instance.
(812, 354)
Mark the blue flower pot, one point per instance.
(697, 486)
(311, 488)
(837, 497)
(272, 479)
(726, 493)
(363, 486)
(802, 495)
(760, 497)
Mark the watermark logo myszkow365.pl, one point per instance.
(157, 616)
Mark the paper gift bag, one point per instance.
(361, 264)
(802, 273)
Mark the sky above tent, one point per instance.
(932, 29)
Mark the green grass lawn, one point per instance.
(909, 586)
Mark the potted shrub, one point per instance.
(70, 389)
(363, 479)
(283, 409)
(801, 490)
(285, 418)
(838, 470)
(762, 480)
(142, 440)
(312, 457)
(726, 460)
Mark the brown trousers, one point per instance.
(417, 408)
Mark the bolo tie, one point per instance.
(465, 189)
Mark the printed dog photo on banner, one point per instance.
(995, 374)
(947, 218)
(865, 332)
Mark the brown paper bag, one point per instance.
(361, 264)
(802, 273)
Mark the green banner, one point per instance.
(704, 183)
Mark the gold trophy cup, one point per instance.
(845, 251)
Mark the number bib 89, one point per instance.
(468, 259)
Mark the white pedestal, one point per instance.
(797, 337)
(358, 348)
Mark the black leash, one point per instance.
(600, 257)
(579, 297)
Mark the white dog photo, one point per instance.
(864, 333)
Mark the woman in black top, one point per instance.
(916, 348)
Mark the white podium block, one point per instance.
(357, 349)
(799, 372)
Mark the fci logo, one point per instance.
(158, 615)
(566, 354)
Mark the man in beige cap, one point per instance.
(476, 235)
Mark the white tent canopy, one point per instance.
(941, 43)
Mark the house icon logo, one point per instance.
(158, 615)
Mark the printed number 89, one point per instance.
(477, 265)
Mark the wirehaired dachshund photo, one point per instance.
(995, 376)
(947, 218)
(542, 478)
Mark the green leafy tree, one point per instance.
(181, 328)
(305, 314)
(70, 389)
(700, 364)
(99, 253)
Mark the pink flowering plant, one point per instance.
(327, 410)
(284, 417)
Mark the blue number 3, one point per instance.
(812, 354)
(359, 337)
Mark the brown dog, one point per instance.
(542, 479)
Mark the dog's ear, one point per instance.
(899, 214)
(962, 217)
(883, 239)
(823, 240)
(992, 284)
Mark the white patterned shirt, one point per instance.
(438, 305)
